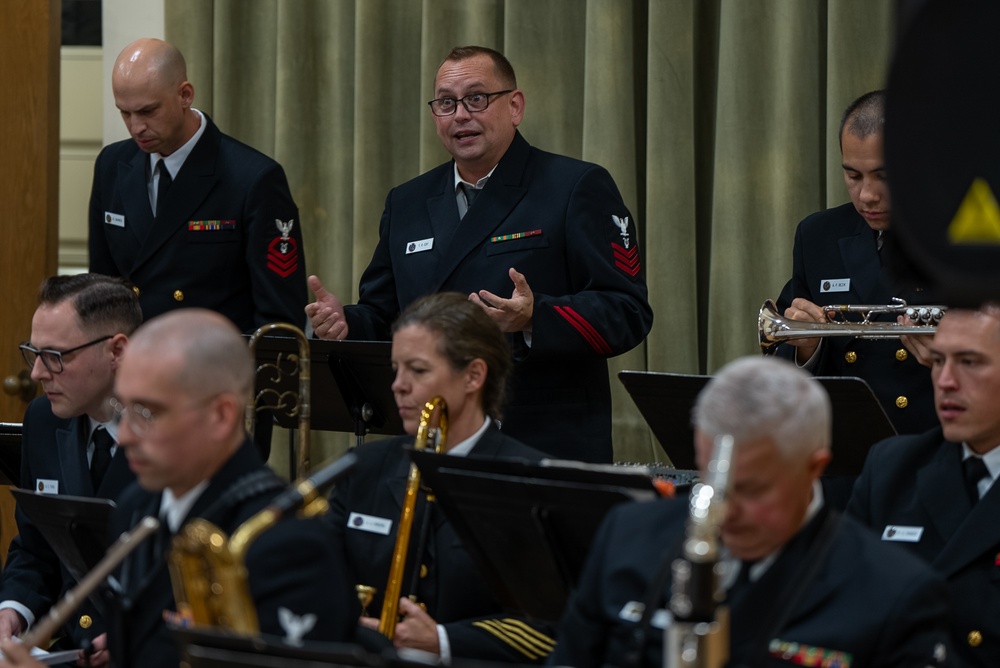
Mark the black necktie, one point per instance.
(974, 470)
(101, 459)
(161, 189)
(742, 584)
(470, 195)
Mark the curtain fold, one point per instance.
(716, 118)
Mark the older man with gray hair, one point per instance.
(801, 580)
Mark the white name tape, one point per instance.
(369, 523)
(834, 284)
(116, 219)
(902, 534)
(47, 486)
(420, 246)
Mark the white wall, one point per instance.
(125, 21)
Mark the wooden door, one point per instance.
(29, 186)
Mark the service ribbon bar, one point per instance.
(204, 225)
(517, 235)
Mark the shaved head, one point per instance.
(209, 353)
(151, 59)
(151, 90)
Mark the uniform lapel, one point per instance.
(502, 193)
(941, 491)
(861, 260)
(190, 187)
(71, 446)
(132, 182)
(395, 481)
(977, 534)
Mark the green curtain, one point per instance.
(717, 118)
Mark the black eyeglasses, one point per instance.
(53, 359)
(446, 106)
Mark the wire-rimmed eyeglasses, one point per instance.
(141, 420)
(446, 106)
(53, 359)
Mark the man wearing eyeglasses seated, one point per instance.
(78, 335)
(182, 400)
(542, 242)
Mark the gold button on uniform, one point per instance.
(975, 638)
(902, 354)
(85, 621)
(178, 296)
(902, 402)
(851, 357)
(135, 289)
(423, 570)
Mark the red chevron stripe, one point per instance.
(631, 271)
(284, 272)
(629, 260)
(634, 250)
(585, 329)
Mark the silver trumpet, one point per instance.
(774, 329)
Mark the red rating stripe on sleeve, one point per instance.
(626, 260)
(585, 329)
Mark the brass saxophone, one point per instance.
(291, 403)
(698, 636)
(208, 569)
(426, 432)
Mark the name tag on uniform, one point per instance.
(632, 612)
(834, 285)
(420, 246)
(116, 219)
(369, 523)
(47, 486)
(902, 534)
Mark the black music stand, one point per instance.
(10, 453)
(528, 526)
(76, 528)
(665, 401)
(213, 648)
(351, 384)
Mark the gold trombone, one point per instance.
(426, 432)
(773, 329)
(291, 403)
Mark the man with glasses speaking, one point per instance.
(542, 242)
(78, 335)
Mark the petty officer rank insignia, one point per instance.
(283, 252)
(626, 253)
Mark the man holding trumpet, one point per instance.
(838, 258)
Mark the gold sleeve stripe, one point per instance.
(519, 636)
(542, 640)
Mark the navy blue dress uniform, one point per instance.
(365, 512)
(291, 566)
(912, 492)
(868, 604)
(227, 238)
(560, 222)
(836, 261)
(54, 461)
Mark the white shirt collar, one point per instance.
(176, 159)
(459, 180)
(465, 447)
(173, 510)
(992, 461)
(112, 428)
